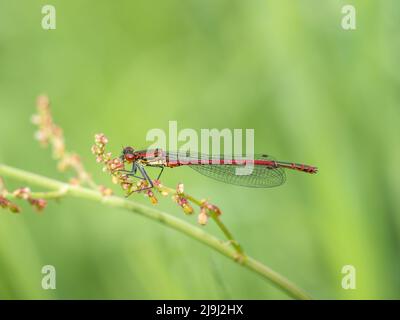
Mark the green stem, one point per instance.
(227, 234)
(164, 218)
(49, 195)
(214, 215)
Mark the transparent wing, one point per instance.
(257, 176)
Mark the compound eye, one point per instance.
(128, 150)
(129, 157)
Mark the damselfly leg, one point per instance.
(145, 177)
(132, 172)
(159, 175)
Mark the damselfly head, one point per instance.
(128, 154)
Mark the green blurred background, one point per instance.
(312, 91)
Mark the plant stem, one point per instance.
(214, 215)
(164, 218)
(49, 195)
(228, 234)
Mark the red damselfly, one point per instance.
(263, 170)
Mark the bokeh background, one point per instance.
(312, 91)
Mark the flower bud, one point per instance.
(187, 208)
(4, 202)
(38, 204)
(101, 139)
(211, 207)
(22, 193)
(42, 102)
(126, 186)
(94, 149)
(14, 208)
(203, 217)
(74, 181)
(180, 188)
(152, 197)
(105, 191)
(114, 179)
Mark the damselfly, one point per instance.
(263, 171)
